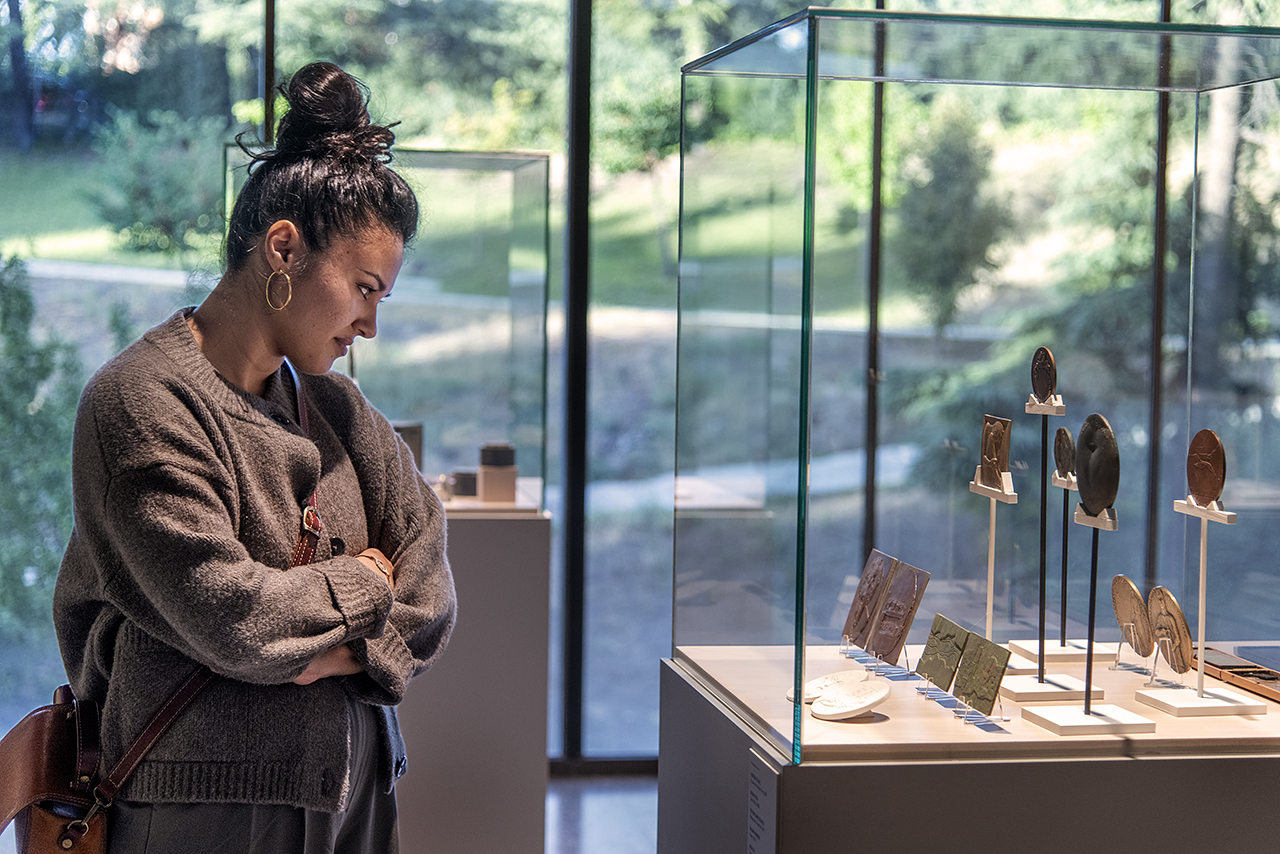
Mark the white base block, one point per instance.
(1187, 702)
(1056, 688)
(1019, 664)
(1071, 720)
(1074, 651)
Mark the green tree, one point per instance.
(40, 382)
(947, 221)
(161, 182)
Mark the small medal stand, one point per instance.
(1091, 720)
(1004, 495)
(1039, 687)
(1217, 700)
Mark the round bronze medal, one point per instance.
(1097, 465)
(1064, 452)
(1132, 615)
(1044, 375)
(1206, 468)
(1169, 623)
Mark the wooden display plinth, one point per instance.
(1056, 688)
(1071, 720)
(1187, 702)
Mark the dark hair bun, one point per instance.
(328, 117)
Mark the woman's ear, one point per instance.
(282, 245)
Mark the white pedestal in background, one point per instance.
(475, 724)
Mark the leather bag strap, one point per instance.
(309, 534)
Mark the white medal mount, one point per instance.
(1052, 406)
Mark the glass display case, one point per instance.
(883, 217)
(461, 352)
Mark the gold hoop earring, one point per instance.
(288, 281)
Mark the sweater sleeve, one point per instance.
(172, 555)
(408, 525)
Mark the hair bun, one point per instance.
(328, 116)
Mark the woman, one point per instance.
(195, 451)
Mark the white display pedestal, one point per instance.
(1018, 664)
(1187, 702)
(477, 778)
(1071, 720)
(1074, 652)
(1056, 687)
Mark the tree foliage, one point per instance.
(947, 219)
(40, 383)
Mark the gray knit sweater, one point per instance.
(187, 497)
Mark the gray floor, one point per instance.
(602, 815)
(585, 815)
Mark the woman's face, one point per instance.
(336, 296)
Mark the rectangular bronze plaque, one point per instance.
(868, 597)
(981, 670)
(942, 652)
(903, 592)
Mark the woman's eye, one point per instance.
(365, 290)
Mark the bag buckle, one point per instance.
(311, 520)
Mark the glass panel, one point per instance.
(111, 175)
(739, 379)
(1015, 216)
(1008, 51)
(460, 359)
(1234, 357)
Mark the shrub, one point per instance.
(162, 179)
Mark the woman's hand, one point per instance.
(338, 661)
(378, 563)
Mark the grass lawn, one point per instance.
(48, 214)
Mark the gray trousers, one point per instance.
(366, 826)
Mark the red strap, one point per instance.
(173, 707)
(309, 535)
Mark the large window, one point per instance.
(111, 174)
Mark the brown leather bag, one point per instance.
(50, 784)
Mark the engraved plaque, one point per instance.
(1168, 622)
(1131, 614)
(1206, 468)
(903, 592)
(981, 670)
(866, 600)
(942, 652)
(1097, 465)
(1044, 375)
(995, 451)
(1064, 452)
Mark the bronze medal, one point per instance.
(1044, 375)
(1064, 452)
(1206, 468)
(995, 451)
(1169, 623)
(1132, 615)
(1097, 465)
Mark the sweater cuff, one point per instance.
(363, 600)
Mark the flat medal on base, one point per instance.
(849, 701)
